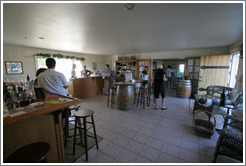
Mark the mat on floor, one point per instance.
(79, 150)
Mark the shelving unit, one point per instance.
(140, 66)
(193, 65)
(126, 65)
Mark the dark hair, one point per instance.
(107, 65)
(40, 70)
(50, 62)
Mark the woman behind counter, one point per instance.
(85, 72)
(145, 76)
(73, 73)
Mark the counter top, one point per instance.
(124, 83)
(28, 113)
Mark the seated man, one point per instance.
(51, 80)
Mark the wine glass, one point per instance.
(29, 96)
(18, 98)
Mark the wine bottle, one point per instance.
(9, 103)
(27, 78)
(222, 98)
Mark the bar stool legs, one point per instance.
(83, 114)
(150, 94)
(66, 127)
(142, 96)
(111, 96)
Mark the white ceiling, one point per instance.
(109, 29)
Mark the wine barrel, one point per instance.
(183, 88)
(125, 97)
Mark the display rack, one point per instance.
(124, 65)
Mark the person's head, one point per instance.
(50, 63)
(107, 66)
(84, 67)
(40, 70)
(146, 68)
(160, 67)
(169, 66)
(159, 72)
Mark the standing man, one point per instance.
(169, 76)
(51, 80)
(110, 76)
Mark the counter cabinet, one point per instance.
(86, 87)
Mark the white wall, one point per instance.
(176, 54)
(184, 53)
(26, 56)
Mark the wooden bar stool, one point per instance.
(150, 96)
(32, 153)
(83, 114)
(111, 96)
(68, 118)
(142, 96)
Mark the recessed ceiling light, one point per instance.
(129, 6)
(41, 38)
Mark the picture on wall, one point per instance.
(141, 63)
(94, 64)
(13, 67)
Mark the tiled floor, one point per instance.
(148, 135)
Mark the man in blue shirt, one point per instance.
(110, 76)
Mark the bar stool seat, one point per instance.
(31, 153)
(84, 114)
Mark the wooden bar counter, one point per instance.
(86, 87)
(35, 124)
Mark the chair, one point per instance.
(230, 142)
(203, 102)
(214, 94)
(31, 153)
(111, 96)
(84, 114)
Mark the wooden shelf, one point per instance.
(128, 64)
(127, 61)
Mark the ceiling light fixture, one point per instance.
(41, 38)
(129, 6)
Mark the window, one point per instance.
(181, 70)
(233, 69)
(62, 65)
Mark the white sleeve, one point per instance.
(64, 81)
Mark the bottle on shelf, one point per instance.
(27, 78)
(9, 103)
(222, 98)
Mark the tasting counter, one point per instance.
(35, 124)
(86, 87)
